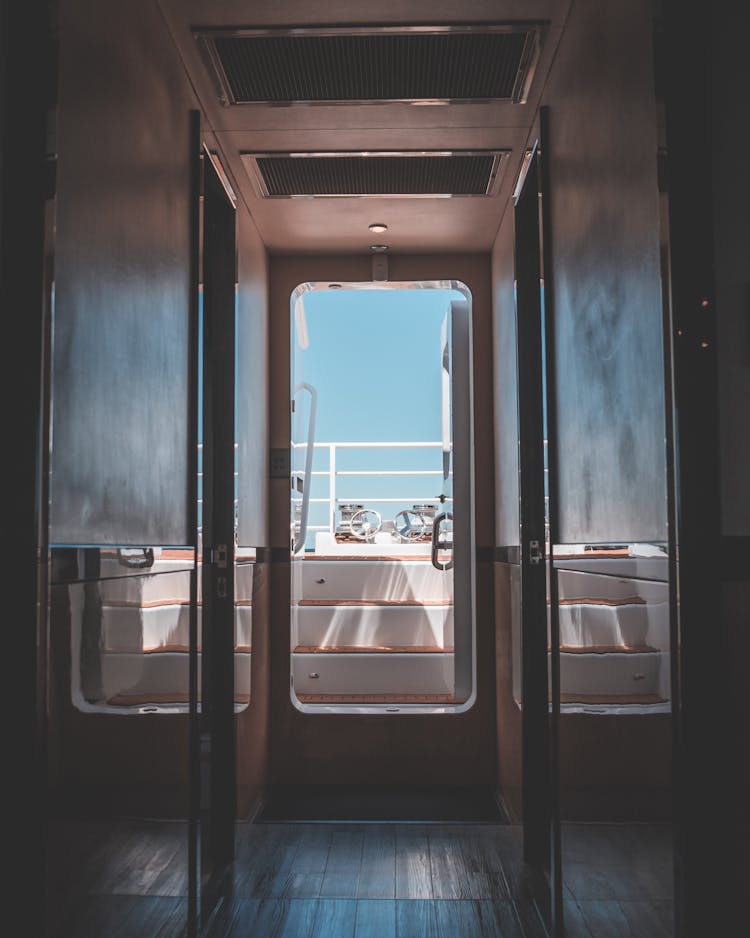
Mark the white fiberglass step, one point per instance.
(162, 673)
(655, 569)
(591, 623)
(151, 586)
(610, 673)
(134, 628)
(372, 625)
(574, 584)
(368, 674)
(165, 580)
(414, 580)
(110, 566)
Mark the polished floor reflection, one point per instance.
(124, 878)
(385, 880)
(128, 879)
(618, 880)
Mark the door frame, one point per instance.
(540, 644)
(462, 376)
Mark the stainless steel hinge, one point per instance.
(218, 556)
(536, 554)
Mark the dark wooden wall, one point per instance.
(349, 748)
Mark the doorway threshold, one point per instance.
(419, 804)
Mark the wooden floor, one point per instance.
(618, 880)
(361, 881)
(116, 879)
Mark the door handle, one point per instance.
(437, 543)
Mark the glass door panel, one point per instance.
(380, 498)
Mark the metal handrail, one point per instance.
(333, 473)
(299, 543)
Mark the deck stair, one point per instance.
(372, 630)
(614, 636)
(144, 635)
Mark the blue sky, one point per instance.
(374, 357)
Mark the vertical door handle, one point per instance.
(436, 542)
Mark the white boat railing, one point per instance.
(333, 474)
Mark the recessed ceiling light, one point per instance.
(379, 248)
(334, 286)
(378, 227)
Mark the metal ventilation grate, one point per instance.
(386, 174)
(358, 65)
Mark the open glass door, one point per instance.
(537, 665)
(381, 511)
(217, 631)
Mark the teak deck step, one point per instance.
(587, 554)
(593, 601)
(377, 698)
(171, 649)
(375, 602)
(399, 558)
(613, 698)
(160, 697)
(372, 649)
(158, 603)
(606, 649)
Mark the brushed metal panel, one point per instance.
(608, 313)
(505, 387)
(252, 385)
(120, 460)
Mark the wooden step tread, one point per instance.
(157, 603)
(377, 698)
(372, 649)
(593, 601)
(171, 649)
(447, 603)
(181, 553)
(587, 554)
(607, 649)
(160, 697)
(613, 698)
(358, 558)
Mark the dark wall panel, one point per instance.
(605, 249)
(339, 748)
(120, 458)
(731, 187)
(252, 384)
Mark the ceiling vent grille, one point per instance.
(336, 66)
(395, 175)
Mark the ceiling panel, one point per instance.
(371, 64)
(340, 223)
(418, 175)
